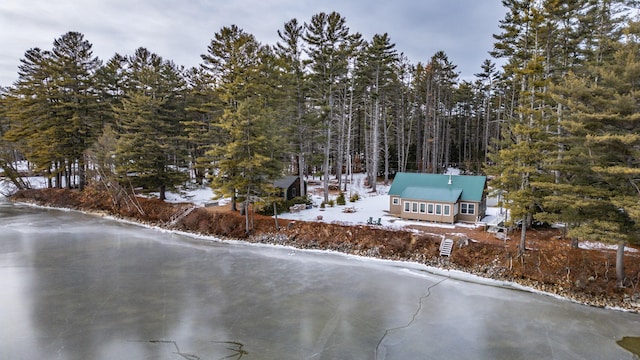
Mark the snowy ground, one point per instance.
(371, 204)
(374, 205)
(7, 188)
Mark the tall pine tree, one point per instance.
(247, 158)
(149, 151)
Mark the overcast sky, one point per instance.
(181, 30)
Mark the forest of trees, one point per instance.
(557, 127)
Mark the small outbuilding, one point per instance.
(438, 197)
(290, 187)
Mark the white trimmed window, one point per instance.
(447, 210)
(407, 206)
(438, 209)
(466, 208)
(414, 207)
(395, 201)
(430, 209)
(423, 208)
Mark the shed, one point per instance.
(290, 187)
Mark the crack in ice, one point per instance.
(413, 318)
(185, 356)
(233, 346)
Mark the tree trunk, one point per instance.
(234, 206)
(68, 175)
(301, 172)
(523, 236)
(385, 136)
(375, 144)
(620, 264)
(400, 140)
(275, 216)
(574, 243)
(367, 138)
(163, 192)
(349, 172)
(82, 174)
(245, 206)
(327, 172)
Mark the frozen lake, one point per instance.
(74, 286)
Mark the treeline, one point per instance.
(556, 126)
(569, 144)
(323, 100)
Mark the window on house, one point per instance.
(447, 210)
(423, 208)
(407, 206)
(430, 209)
(414, 207)
(396, 201)
(468, 209)
(438, 209)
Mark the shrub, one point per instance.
(355, 197)
(340, 200)
(281, 205)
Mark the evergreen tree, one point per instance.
(404, 126)
(28, 108)
(149, 152)
(203, 110)
(329, 49)
(377, 73)
(598, 194)
(111, 85)
(434, 83)
(53, 108)
(247, 160)
(75, 101)
(230, 58)
(487, 82)
(299, 126)
(8, 153)
(518, 160)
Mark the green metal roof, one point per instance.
(436, 187)
(433, 194)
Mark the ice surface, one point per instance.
(82, 287)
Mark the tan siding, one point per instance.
(479, 212)
(422, 211)
(395, 209)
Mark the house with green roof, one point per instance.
(438, 197)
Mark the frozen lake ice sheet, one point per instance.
(74, 286)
